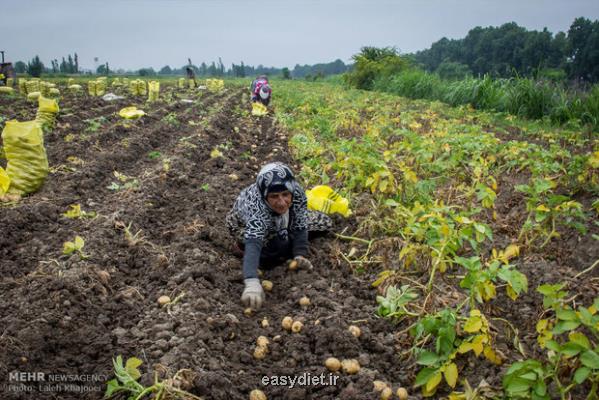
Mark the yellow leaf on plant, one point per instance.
(492, 356)
(511, 251)
(465, 347)
(433, 382)
(543, 208)
(473, 324)
(510, 292)
(477, 344)
(451, 374)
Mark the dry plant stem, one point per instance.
(589, 269)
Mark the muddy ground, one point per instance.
(165, 235)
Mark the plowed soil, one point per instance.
(164, 234)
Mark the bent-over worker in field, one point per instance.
(270, 221)
(261, 90)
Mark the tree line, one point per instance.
(70, 65)
(511, 50)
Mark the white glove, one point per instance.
(303, 263)
(253, 294)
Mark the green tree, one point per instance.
(103, 69)
(453, 70)
(372, 63)
(286, 73)
(166, 70)
(583, 39)
(20, 67)
(35, 67)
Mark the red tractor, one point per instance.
(6, 71)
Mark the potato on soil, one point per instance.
(267, 285)
(304, 301)
(386, 394)
(265, 323)
(332, 364)
(293, 265)
(162, 300)
(350, 366)
(257, 394)
(379, 385)
(248, 312)
(356, 331)
(287, 323)
(296, 327)
(402, 393)
(260, 352)
(262, 341)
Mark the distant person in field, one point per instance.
(261, 90)
(191, 75)
(269, 222)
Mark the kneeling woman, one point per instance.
(270, 221)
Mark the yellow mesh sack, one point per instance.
(91, 88)
(27, 161)
(23, 86)
(153, 90)
(46, 113)
(6, 90)
(259, 109)
(323, 198)
(141, 88)
(4, 181)
(33, 86)
(33, 96)
(181, 83)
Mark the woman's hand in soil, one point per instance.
(303, 263)
(253, 294)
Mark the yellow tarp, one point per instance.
(323, 198)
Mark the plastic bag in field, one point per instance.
(323, 198)
(4, 181)
(27, 161)
(46, 113)
(6, 89)
(259, 109)
(111, 97)
(153, 90)
(131, 113)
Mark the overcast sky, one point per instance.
(131, 34)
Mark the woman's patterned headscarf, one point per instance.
(275, 177)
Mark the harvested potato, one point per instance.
(286, 323)
(332, 364)
(265, 323)
(257, 394)
(304, 301)
(267, 285)
(350, 366)
(296, 327)
(260, 352)
(233, 177)
(386, 394)
(293, 265)
(379, 385)
(355, 330)
(402, 393)
(262, 341)
(248, 312)
(162, 300)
